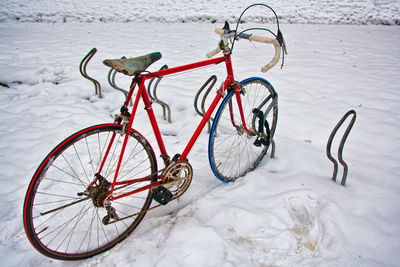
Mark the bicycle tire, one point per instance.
(231, 151)
(66, 226)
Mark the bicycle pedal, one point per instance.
(162, 195)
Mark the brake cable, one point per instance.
(278, 36)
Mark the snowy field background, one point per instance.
(285, 213)
(290, 11)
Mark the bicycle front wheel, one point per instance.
(232, 150)
(63, 219)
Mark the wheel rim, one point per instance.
(75, 230)
(232, 151)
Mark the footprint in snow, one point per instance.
(305, 230)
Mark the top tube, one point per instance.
(186, 67)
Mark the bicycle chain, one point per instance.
(143, 211)
(140, 212)
(169, 174)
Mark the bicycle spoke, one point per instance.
(45, 221)
(130, 157)
(70, 233)
(61, 181)
(61, 227)
(101, 150)
(73, 176)
(90, 157)
(107, 173)
(134, 168)
(57, 195)
(80, 161)
(49, 202)
(62, 207)
(233, 151)
(86, 234)
(68, 226)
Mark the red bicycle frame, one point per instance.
(142, 93)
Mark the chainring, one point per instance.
(177, 178)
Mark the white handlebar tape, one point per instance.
(214, 52)
(260, 39)
(277, 46)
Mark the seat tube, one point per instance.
(154, 124)
(132, 88)
(140, 81)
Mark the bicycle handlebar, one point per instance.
(255, 38)
(214, 52)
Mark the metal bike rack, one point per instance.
(340, 150)
(111, 81)
(270, 106)
(212, 80)
(82, 69)
(154, 98)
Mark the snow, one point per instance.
(290, 11)
(287, 212)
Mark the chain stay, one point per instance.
(171, 179)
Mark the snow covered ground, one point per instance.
(285, 213)
(290, 11)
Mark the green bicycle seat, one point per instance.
(133, 66)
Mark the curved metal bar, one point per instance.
(272, 149)
(149, 91)
(111, 81)
(82, 69)
(164, 105)
(342, 142)
(274, 103)
(212, 80)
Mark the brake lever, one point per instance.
(281, 41)
(226, 26)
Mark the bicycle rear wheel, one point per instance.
(63, 220)
(232, 151)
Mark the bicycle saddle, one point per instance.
(132, 66)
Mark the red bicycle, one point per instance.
(94, 188)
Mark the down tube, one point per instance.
(200, 127)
